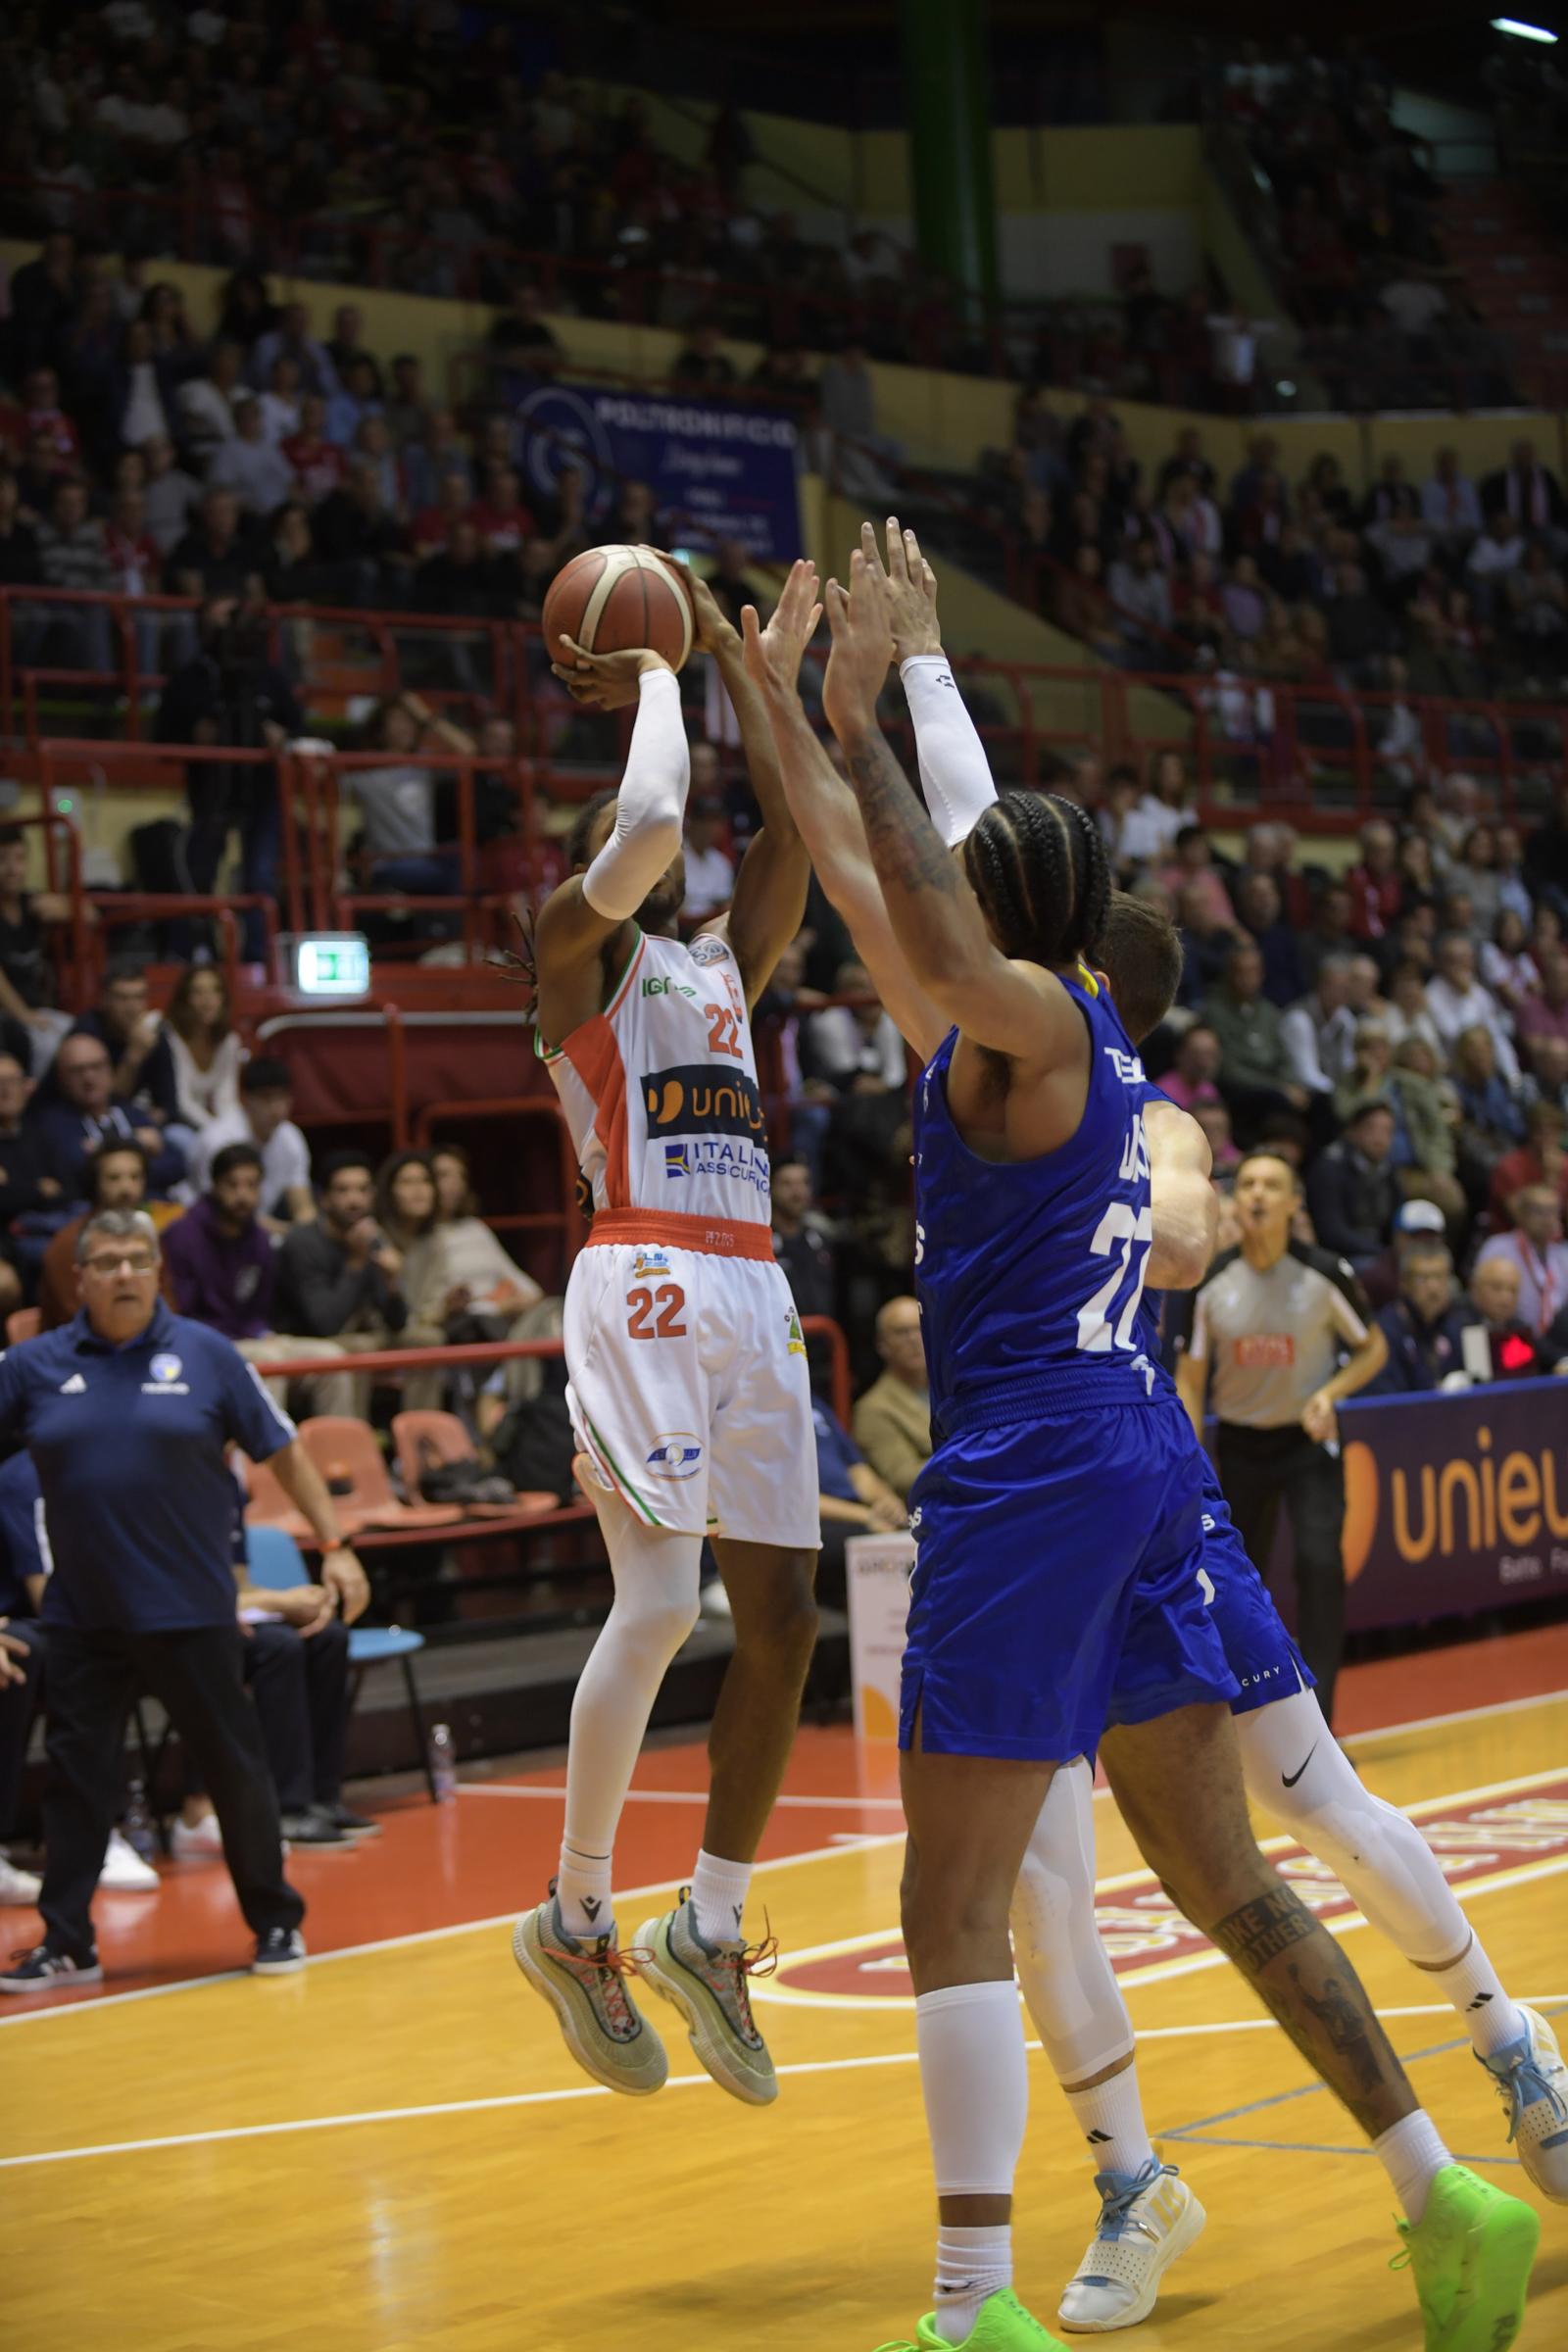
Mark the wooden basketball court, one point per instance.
(393, 2149)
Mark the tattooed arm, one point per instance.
(1018, 1009)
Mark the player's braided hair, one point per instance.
(1039, 869)
(582, 831)
(521, 962)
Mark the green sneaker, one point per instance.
(1471, 2255)
(1004, 2326)
(707, 1983)
(586, 1985)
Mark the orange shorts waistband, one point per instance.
(717, 1237)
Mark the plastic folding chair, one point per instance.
(275, 1561)
(425, 1436)
(347, 1455)
(267, 1505)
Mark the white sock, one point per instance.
(1111, 2117)
(582, 1890)
(971, 2264)
(1412, 2155)
(719, 1896)
(1491, 2019)
(974, 2076)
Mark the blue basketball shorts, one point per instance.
(1055, 1586)
(1258, 1649)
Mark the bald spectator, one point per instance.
(893, 1419)
(83, 1116)
(1510, 1349)
(1536, 1248)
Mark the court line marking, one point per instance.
(88, 2004)
(145, 1992)
(861, 2063)
(692, 1797)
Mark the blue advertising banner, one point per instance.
(1453, 1505)
(717, 469)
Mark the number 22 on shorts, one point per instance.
(641, 1321)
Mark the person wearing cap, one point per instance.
(709, 869)
(1381, 1279)
(1424, 1324)
(130, 1413)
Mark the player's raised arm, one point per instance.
(768, 905)
(955, 772)
(1181, 1198)
(1011, 1007)
(827, 811)
(582, 917)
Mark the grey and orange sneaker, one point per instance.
(586, 1981)
(707, 1983)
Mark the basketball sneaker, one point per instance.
(1471, 2254)
(707, 1983)
(587, 1984)
(1004, 2326)
(1533, 2085)
(1146, 2219)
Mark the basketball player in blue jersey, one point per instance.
(1059, 1518)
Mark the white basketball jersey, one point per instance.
(660, 1090)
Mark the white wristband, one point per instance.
(955, 773)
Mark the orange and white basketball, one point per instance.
(613, 600)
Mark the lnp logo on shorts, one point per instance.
(795, 1337)
(649, 1263)
(676, 1456)
(690, 1099)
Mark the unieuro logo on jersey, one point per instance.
(1454, 1503)
(691, 1099)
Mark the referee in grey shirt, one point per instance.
(1281, 1334)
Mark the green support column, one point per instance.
(949, 117)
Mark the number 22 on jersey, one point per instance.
(1132, 1231)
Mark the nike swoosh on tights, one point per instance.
(1287, 1780)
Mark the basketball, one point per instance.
(613, 600)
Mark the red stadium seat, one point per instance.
(424, 1437)
(347, 1455)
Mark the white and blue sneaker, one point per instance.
(1533, 2085)
(1146, 2219)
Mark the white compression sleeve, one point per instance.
(955, 773)
(650, 806)
(1067, 1980)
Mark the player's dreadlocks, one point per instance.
(1037, 867)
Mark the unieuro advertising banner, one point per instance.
(1453, 1505)
(717, 469)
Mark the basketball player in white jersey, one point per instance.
(1395, 1879)
(688, 1374)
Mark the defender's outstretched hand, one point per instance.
(861, 628)
(912, 590)
(773, 655)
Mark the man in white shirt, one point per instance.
(1319, 1032)
(206, 402)
(1537, 1247)
(263, 1119)
(1457, 1002)
(1449, 501)
(1499, 550)
(251, 466)
(709, 869)
(1414, 304)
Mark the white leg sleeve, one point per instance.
(1379, 1856)
(650, 806)
(955, 773)
(655, 1609)
(1068, 1979)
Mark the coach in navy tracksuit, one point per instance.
(127, 1412)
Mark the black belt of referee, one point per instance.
(1041, 1394)
(1253, 1434)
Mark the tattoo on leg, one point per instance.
(1318, 2000)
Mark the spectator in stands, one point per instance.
(1374, 884)
(170, 495)
(116, 1178)
(338, 1277)
(1546, 1015)
(206, 403)
(82, 1113)
(703, 362)
(1320, 1031)
(262, 1117)
(709, 868)
(1539, 1160)
(1545, 856)
(1457, 1002)
(213, 561)
(855, 1047)
(854, 1500)
(28, 986)
(1425, 1324)
(893, 1419)
(1193, 868)
(124, 1023)
(219, 1262)
(520, 343)
(251, 465)
(481, 1279)
(1352, 1189)
(1534, 1243)
(73, 554)
(1548, 1078)
(1449, 506)
(1408, 1013)
(398, 801)
(26, 1183)
(803, 1241)
(1260, 916)
(1512, 1349)
(202, 1048)
(1192, 1077)
(1254, 1065)
(1526, 492)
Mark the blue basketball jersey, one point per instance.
(1030, 1272)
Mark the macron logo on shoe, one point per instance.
(76, 1386)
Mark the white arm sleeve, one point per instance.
(955, 773)
(650, 808)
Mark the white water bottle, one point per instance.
(443, 1762)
